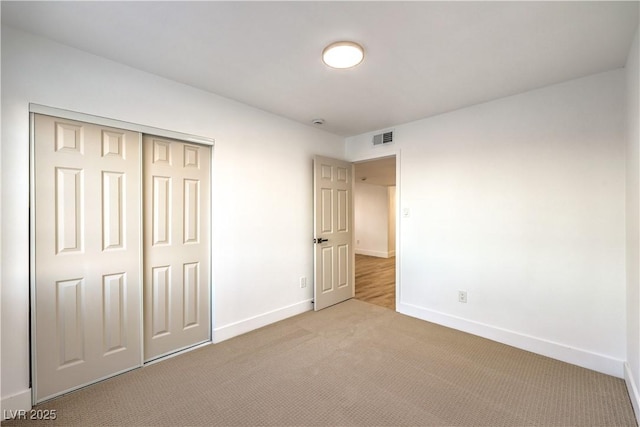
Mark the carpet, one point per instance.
(351, 364)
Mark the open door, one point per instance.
(333, 229)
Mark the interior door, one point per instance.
(333, 227)
(87, 254)
(176, 245)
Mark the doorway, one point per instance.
(375, 207)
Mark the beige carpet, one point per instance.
(352, 364)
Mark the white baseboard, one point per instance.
(13, 405)
(243, 326)
(379, 254)
(575, 356)
(632, 388)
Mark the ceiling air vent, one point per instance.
(383, 138)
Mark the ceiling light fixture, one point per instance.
(343, 55)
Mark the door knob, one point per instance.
(320, 240)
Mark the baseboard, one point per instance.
(243, 326)
(14, 406)
(632, 388)
(379, 254)
(575, 356)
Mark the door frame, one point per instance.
(377, 156)
(142, 129)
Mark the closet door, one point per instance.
(176, 245)
(87, 254)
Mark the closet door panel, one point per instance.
(176, 245)
(87, 254)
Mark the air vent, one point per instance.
(383, 138)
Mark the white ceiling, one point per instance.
(377, 172)
(422, 58)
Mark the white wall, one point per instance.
(520, 202)
(262, 185)
(392, 220)
(2, 407)
(632, 374)
(371, 219)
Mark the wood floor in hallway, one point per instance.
(376, 280)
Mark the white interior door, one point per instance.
(87, 254)
(333, 227)
(176, 245)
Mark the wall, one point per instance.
(520, 202)
(261, 185)
(2, 407)
(632, 372)
(371, 219)
(392, 220)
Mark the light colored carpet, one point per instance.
(352, 364)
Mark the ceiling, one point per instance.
(422, 58)
(376, 172)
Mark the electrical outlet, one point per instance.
(462, 296)
(303, 282)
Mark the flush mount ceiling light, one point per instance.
(343, 54)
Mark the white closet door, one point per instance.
(87, 254)
(176, 245)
